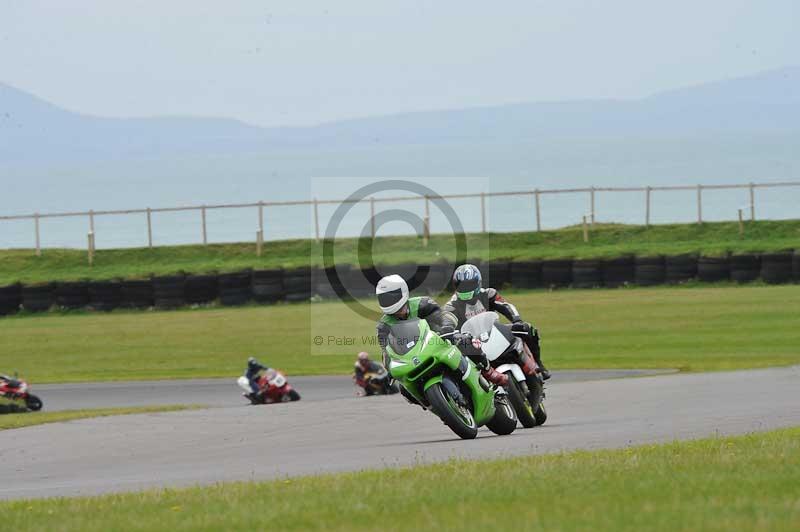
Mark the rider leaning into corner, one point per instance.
(471, 299)
(393, 298)
(254, 370)
(363, 366)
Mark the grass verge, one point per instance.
(607, 240)
(689, 328)
(28, 419)
(740, 483)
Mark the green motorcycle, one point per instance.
(430, 369)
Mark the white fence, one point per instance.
(312, 208)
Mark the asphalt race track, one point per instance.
(123, 453)
(225, 392)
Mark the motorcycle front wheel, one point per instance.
(504, 420)
(454, 415)
(33, 403)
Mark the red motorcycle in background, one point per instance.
(272, 388)
(15, 392)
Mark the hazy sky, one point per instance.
(304, 62)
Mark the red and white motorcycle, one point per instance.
(272, 388)
(15, 392)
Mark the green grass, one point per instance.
(739, 483)
(17, 421)
(689, 328)
(606, 241)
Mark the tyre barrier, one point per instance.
(745, 268)
(776, 268)
(72, 295)
(10, 299)
(200, 289)
(267, 285)
(39, 298)
(137, 293)
(587, 273)
(235, 288)
(649, 271)
(713, 269)
(499, 273)
(680, 268)
(168, 291)
(105, 295)
(297, 284)
(619, 271)
(557, 272)
(526, 274)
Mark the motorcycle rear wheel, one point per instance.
(504, 420)
(457, 417)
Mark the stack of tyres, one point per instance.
(526, 274)
(587, 273)
(297, 284)
(438, 279)
(776, 268)
(680, 268)
(499, 273)
(713, 269)
(168, 291)
(234, 288)
(105, 295)
(72, 295)
(796, 265)
(414, 274)
(137, 293)
(649, 271)
(557, 272)
(10, 299)
(38, 298)
(201, 289)
(327, 282)
(745, 267)
(267, 285)
(619, 271)
(357, 282)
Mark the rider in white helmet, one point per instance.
(393, 298)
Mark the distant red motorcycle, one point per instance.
(16, 392)
(272, 388)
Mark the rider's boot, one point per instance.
(532, 341)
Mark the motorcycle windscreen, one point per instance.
(482, 327)
(403, 336)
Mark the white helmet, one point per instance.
(392, 292)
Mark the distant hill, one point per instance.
(33, 130)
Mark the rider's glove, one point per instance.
(521, 327)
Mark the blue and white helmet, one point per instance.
(467, 281)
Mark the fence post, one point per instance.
(741, 224)
(752, 202)
(149, 228)
(261, 216)
(38, 234)
(585, 230)
(591, 193)
(426, 223)
(90, 247)
(203, 217)
(372, 215)
(647, 207)
(91, 221)
(259, 242)
(538, 211)
(699, 204)
(316, 220)
(483, 212)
